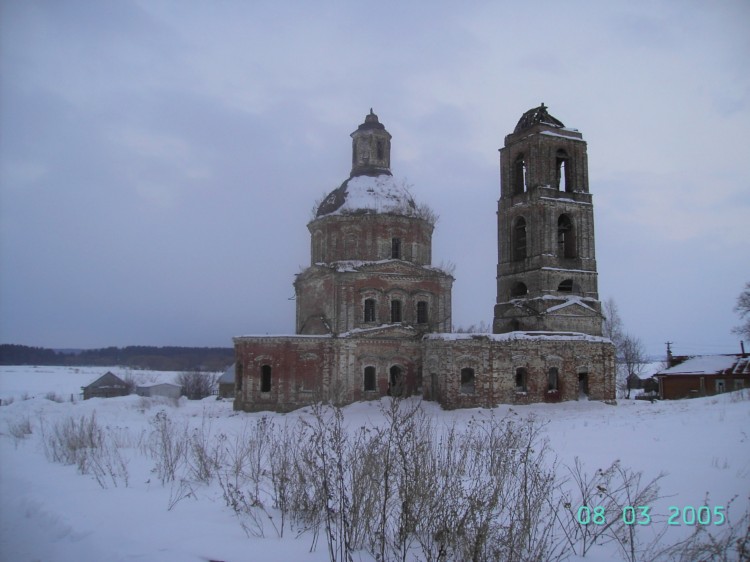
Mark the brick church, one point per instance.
(374, 314)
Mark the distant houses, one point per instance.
(106, 386)
(703, 375)
(110, 385)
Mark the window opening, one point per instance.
(422, 312)
(396, 381)
(583, 385)
(720, 386)
(396, 311)
(566, 286)
(566, 243)
(265, 378)
(519, 239)
(521, 379)
(518, 289)
(381, 150)
(563, 172)
(519, 175)
(468, 385)
(369, 310)
(369, 379)
(396, 248)
(552, 378)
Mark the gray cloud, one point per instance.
(159, 160)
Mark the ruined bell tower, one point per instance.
(546, 272)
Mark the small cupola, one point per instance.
(371, 148)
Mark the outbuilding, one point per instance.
(106, 386)
(165, 389)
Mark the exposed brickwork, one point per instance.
(374, 317)
(495, 363)
(545, 231)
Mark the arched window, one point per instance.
(563, 171)
(566, 286)
(552, 378)
(468, 385)
(518, 289)
(396, 311)
(396, 248)
(265, 378)
(381, 150)
(369, 379)
(519, 175)
(422, 312)
(519, 239)
(369, 315)
(521, 376)
(396, 380)
(566, 238)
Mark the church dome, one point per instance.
(369, 194)
(536, 116)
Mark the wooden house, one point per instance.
(704, 375)
(106, 386)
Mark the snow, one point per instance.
(379, 194)
(551, 134)
(51, 512)
(568, 302)
(554, 336)
(703, 364)
(564, 200)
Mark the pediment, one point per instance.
(572, 307)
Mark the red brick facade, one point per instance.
(374, 316)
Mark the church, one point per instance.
(373, 314)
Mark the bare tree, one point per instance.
(196, 385)
(633, 358)
(612, 327)
(630, 355)
(743, 308)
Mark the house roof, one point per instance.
(227, 376)
(157, 384)
(710, 365)
(108, 379)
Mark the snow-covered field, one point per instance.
(51, 512)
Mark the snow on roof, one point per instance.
(288, 336)
(709, 365)
(575, 299)
(556, 336)
(342, 266)
(228, 375)
(369, 194)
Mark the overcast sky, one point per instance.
(159, 160)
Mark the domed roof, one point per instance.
(369, 194)
(535, 116)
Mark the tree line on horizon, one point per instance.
(136, 357)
